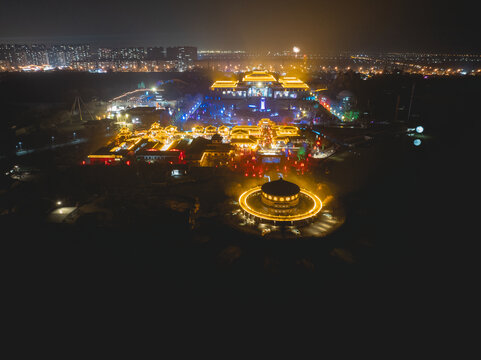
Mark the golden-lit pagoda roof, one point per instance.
(291, 82)
(265, 121)
(250, 129)
(239, 131)
(288, 127)
(224, 84)
(259, 75)
(171, 128)
(155, 126)
(210, 129)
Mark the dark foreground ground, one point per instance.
(406, 230)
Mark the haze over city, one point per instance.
(314, 26)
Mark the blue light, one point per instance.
(417, 142)
(419, 129)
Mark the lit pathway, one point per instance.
(50, 147)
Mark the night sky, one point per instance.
(315, 26)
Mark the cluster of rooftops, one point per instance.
(159, 141)
(261, 78)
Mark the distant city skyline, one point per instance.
(96, 43)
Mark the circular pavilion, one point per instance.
(280, 195)
(280, 201)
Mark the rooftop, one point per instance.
(292, 83)
(224, 84)
(280, 187)
(260, 76)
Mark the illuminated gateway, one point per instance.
(260, 83)
(280, 201)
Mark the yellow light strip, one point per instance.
(312, 212)
(135, 143)
(254, 76)
(104, 156)
(292, 82)
(259, 79)
(294, 86)
(220, 84)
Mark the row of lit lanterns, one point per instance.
(275, 198)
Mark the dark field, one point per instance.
(406, 237)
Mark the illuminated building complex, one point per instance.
(159, 144)
(148, 145)
(260, 83)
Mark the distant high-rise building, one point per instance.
(155, 53)
(38, 55)
(7, 52)
(21, 55)
(57, 55)
(79, 52)
(106, 54)
(132, 53)
(116, 55)
(182, 53)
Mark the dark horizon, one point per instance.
(316, 27)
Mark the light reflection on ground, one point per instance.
(326, 221)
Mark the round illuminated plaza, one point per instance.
(280, 201)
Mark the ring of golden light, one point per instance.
(305, 215)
